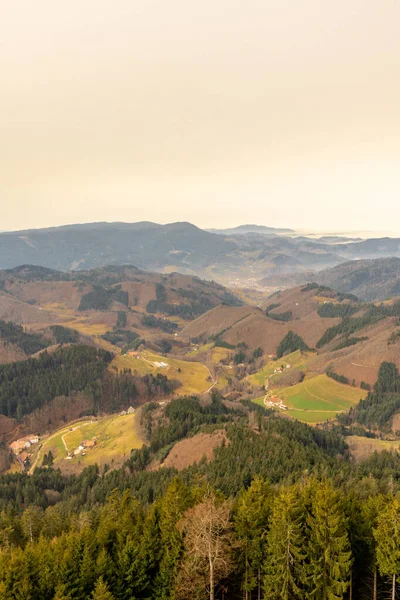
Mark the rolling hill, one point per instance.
(244, 253)
(373, 280)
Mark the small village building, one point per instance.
(130, 410)
(20, 445)
(24, 457)
(88, 443)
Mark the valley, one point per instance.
(118, 385)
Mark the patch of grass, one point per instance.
(259, 401)
(362, 447)
(116, 436)
(296, 360)
(223, 377)
(219, 354)
(321, 394)
(200, 350)
(312, 416)
(194, 376)
(124, 361)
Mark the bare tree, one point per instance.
(208, 545)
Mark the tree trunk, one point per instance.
(394, 587)
(211, 580)
(375, 584)
(259, 584)
(351, 587)
(246, 592)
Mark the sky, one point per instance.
(217, 112)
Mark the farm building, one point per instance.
(88, 443)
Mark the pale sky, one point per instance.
(218, 112)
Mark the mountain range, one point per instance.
(247, 252)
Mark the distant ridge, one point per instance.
(243, 229)
(248, 252)
(374, 279)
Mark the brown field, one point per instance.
(191, 450)
(362, 447)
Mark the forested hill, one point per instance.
(185, 248)
(113, 288)
(29, 343)
(218, 529)
(29, 385)
(370, 280)
(376, 412)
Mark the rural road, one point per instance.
(33, 467)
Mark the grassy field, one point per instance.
(194, 376)
(296, 360)
(223, 376)
(115, 435)
(218, 354)
(362, 447)
(317, 399)
(124, 361)
(200, 350)
(321, 393)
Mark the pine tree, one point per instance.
(177, 500)
(101, 591)
(251, 522)
(387, 536)
(284, 567)
(329, 549)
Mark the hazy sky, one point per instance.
(219, 112)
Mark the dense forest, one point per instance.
(290, 343)
(30, 384)
(281, 512)
(196, 303)
(377, 410)
(30, 343)
(101, 298)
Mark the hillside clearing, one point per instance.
(115, 437)
(362, 447)
(195, 378)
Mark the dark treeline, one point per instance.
(283, 316)
(377, 410)
(163, 324)
(188, 311)
(197, 303)
(281, 513)
(331, 310)
(290, 343)
(64, 335)
(101, 298)
(28, 385)
(120, 336)
(349, 325)
(30, 343)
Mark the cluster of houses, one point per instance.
(24, 443)
(19, 448)
(280, 369)
(276, 402)
(130, 411)
(81, 449)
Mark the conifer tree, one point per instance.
(251, 522)
(284, 568)
(328, 549)
(101, 591)
(177, 500)
(387, 536)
